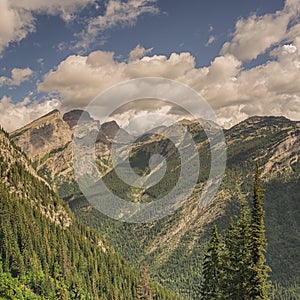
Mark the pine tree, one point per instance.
(212, 269)
(260, 284)
(237, 257)
(144, 290)
(229, 260)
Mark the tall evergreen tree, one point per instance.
(260, 284)
(237, 259)
(212, 269)
(240, 272)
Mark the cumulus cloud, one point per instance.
(17, 77)
(118, 14)
(235, 93)
(79, 79)
(138, 121)
(17, 17)
(16, 115)
(254, 35)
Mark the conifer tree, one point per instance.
(229, 260)
(260, 284)
(212, 269)
(237, 257)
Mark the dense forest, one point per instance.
(45, 253)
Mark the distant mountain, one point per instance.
(43, 135)
(72, 117)
(174, 246)
(45, 252)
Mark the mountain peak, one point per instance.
(110, 129)
(259, 122)
(270, 119)
(47, 132)
(52, 112)
(72, 117)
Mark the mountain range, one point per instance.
(174, 246)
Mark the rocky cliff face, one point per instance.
(275, 141)
(47, 141)
(43, 135)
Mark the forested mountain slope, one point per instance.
(45, 252)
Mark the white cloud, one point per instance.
(16, 115)
(174, 66)
(138, 52)
(272, 88)
(122, 13)
(254, 35)
(41, 62)
(14, 24)
(64, 8)
(17, 17)
(118, 13)
(78, 79)
(143, 120)
(17, 77)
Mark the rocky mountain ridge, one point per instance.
(48, 143)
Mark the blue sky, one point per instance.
(232, 52)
